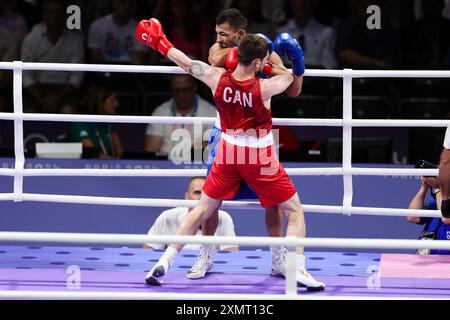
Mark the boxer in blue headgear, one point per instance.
(230, 28)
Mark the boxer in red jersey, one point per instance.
(245, 150)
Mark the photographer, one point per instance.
(444, 175)
(435, 228)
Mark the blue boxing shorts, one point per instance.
(244, 191)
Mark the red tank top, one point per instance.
(241, 107)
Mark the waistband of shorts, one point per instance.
(249, 141)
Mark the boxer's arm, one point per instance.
(217, 55)
(295, 88)
(274, 58)
(285, 44)
(275, 85)
(150, 33)
(198, 69)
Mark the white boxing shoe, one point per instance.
(278, 263)
(156, 275)
(203, 264)
(304, 279)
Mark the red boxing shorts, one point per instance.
(259, 167)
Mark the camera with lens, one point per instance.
(423, 164)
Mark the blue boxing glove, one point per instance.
(286, 44)
(269, 42)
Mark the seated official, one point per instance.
(169, 138)
(169, 220)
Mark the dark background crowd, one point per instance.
(413, 35)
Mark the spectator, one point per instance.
(435, 228)
(446, 12)
(399, 13)
(168, 221)
(188, 32)
(92, 10)
(185, 103)
(100, 99)
(427, 41)
(418, 9)
(274, 11)
(271, 10)
(50, 41)
(333, 13)
(360, 47)
(256, 23)
(317, 40)
(8, 52)
(112, 38)
(29, 9)
(12, 20)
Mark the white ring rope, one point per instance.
(291, 242)
(334, 171)
(209, 120)
(144, 202)
(167, 69)
(347, 171)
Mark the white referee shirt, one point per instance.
(117, 43)
(168, 221)
(37, 47)
(169, 131)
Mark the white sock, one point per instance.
(169, 256)
(300, 260)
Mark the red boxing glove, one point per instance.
(150, 33)
(232, 60)
(267, 70)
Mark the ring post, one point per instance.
(18, 131)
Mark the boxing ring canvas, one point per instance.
(41, 271)
(112, 269)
